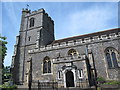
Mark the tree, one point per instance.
(3, 49)
(6, 74)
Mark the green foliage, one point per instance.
(6, 75)
(8, 86)
(3, 48)
(98, 88)
(6, 70)
(100, 79)
(112, 83)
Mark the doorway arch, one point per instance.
(69, 79)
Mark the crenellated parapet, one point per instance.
(34, 12)
(31, 13)
(83, 41)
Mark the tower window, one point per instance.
(111, 57)
(46, 65)
(31, 22)
(29, 38)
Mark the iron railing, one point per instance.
(47, 85)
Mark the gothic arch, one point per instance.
(111, 55)
(72, 52)
(46, 65)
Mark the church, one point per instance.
(69, 61)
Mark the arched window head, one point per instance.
(59, 74)
(31, 22)
(111, 57)
(72, 52)
(46, 65)
(80, 73)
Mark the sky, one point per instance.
(70, 19)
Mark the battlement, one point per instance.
(30, 13)
(38, 11)
(83, 41)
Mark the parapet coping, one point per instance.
(37, 12)
(77, 42)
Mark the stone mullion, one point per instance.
(111, 58)
(47, 65)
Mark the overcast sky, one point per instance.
(70, 19)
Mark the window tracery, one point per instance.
(111, 57)
(31, 22)
(72, 52)
(46, 65)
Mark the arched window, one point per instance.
(49, 66)
(46, 65)
(111, 57)
(59, 74)
(31, 22)
(72, 52)
(80, 73)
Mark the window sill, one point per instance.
(60, 79)
(47, 74)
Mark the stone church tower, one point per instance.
(36, 30)
(70, 61)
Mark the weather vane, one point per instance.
(27, 5)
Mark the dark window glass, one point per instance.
(80, 72)
(114, 59)
(59, 72)
(31, 22)
(45, 67)
(49, 67)
(108, 60)
(29, 38)
(111, 58)
(72, 52)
